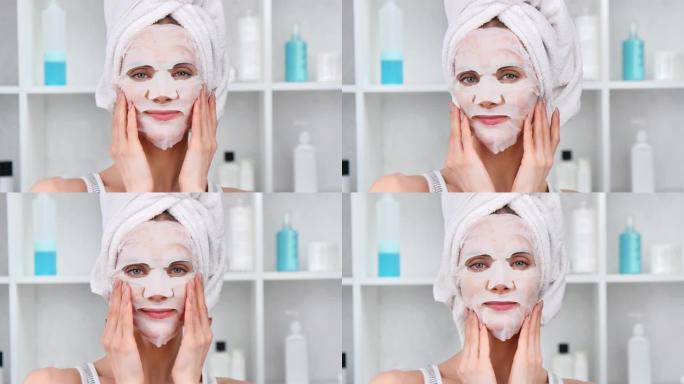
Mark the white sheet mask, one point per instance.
(506, 278)
(166, 86)
(494, 77)
(164, 247)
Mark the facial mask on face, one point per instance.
(167, 85)
(155, 259)
(502, 90)
(506, 290)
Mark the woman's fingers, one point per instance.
(212, 114)
(468, 336)
(455, 145)
(119, 119)
(555, 130)
(535, 330)
(132, 125)
(190, 312)
(113, 314)
(546, 137)
(538, 126)
(128, 315)
(203, 311)
(528, 135)
(466, 135)
(484, 343)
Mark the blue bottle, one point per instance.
(54, 44)
(296, 69)
(387, 216)
(44, 211)
(287, 257)
(630, 249)
(391, 43)
(633, 56)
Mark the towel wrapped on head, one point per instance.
(543, 215)
(200, 213)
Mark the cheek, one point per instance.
(528, 287)
(471, 287)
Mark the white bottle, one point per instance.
(390, 31)
(249, 45)
(566, 172)
(246, 175)
(643, 179)
(342, 377)
(296, 356)
(305, 165)
(6, 180)
(563, 365)
(639, 357)
(229, 173)
(238, 364)
(346, 180)
(241, 236)
(581, 366)
(54, 44)
(584, 240)
(583, 175)
(587, 26)
(219, 361)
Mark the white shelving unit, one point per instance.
(58, 131)
(57, 321)
(397, 324)
(405, 128)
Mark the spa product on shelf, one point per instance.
(229, 173)
(346, 180)
(296, 356)
(584, 240)
(390, 28)
(287, 258)
(241, 237)
(322, 256)
(238, 364)
(566, 172)
(583, 175)
(328, 67)
(638, 357)
(6, 180)
(666, 259)
(1, 366)
(44, 235)
(665, 65)
(54, 44)
(633, 56)
(219, 361)
(581, 368)
(563, 364)
(630, 249)
(246, 175)
(296, 69)
(249, 45)
(342, 376)
(588, 32)
(387, 216)
(643, 179)
(305, 164)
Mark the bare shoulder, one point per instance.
(53, 375)
(573, 381)
(229, 189)
(396, 376)
(398, 182)
(221, 380)
(59, 184)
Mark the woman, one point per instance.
(161, 270)
(502, 277)
(165, 76)
(510, 67)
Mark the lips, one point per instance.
(163, 115)
(501, 305)
(491, 120)
(158, 314)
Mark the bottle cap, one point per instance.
(563, 348)
(642, 136)
(0, 359)
(5, 168)
(345, 167)
(633, 29)
(295, 30)
(220, 346)
(566, 155)
(304, 137)
(638, 329)
(229, 156)
(296, 327)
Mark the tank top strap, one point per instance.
(435, 181)
(94, 183)
(88, 374)
(431, 375)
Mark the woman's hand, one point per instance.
(197, 335)
(527, 362)
(202, 146)
(474, 367)
(463, 167)
(539, 147)
(118, 340)
(126, 149)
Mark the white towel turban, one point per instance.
(204, 22)
(541, 212)
(545, 29)
(200, 213)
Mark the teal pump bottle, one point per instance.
(287, 258)
(633, 56)
(296, 69)
(630, 249)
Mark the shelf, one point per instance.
(246, 87)
(9, 90)
(647, 84)
(308, 86)
(239, 276)
(4, 280)
(347, 281)
(61, 90)
(406, 88)
(49, 280)
(393, 281)
(582, 279)
(301, 275)
(644, 278)
(349, 88)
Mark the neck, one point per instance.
(501, 355)
(165, 165)
(157, 363)
(502, 167)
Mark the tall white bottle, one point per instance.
(587, 26)
(584, 240)
(246, 175)
(241, 236)
(237, 370)
(305, 165)
(566, 172)
(229, 171)
(54, 44)
(639, 357)
(391, 31)
(583, 175)
(643, 179)
(249, 44)
(219, 361)
(296, 356)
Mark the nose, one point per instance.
(162, 89)
(500, 281)
(161, 99)
(488, 94)
(486, 104)
(158, 288)
(501, 289)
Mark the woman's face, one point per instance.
(155, 259)
(159, 75)
(495, 85)
(497, 274)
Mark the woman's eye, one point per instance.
(520, 264)
(135, 272)
(182, 74)
(468, 80)
(510, 76)
(478, 266)
(178, 271)
(139, 76)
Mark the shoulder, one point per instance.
(572, 381)
(398, 182)
(59, 184)
(53, 375)
(396, 376)
(229, 189)
(220, 380)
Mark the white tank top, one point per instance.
(431, 375)
(94, 184)
(89, 375)
(436, 183)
